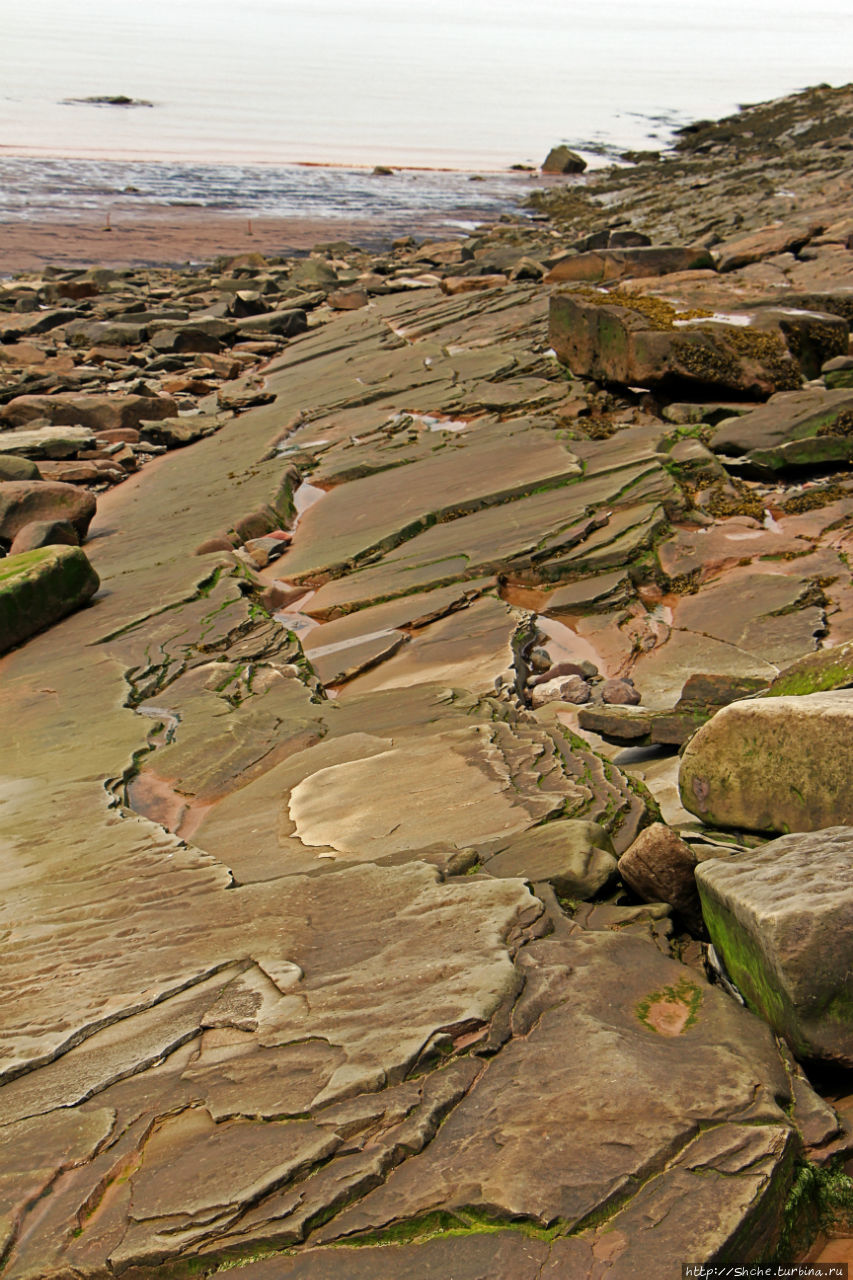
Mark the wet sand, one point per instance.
(162, 234)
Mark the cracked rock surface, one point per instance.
(316, 960)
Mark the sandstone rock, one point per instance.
(573, 689)
(22, 501)
(347, 299)
(575, 857)
(185, 338)
(773, 764)
(45, 442)
(175, 432)
(620, 692)
(105, 333)
(562, 159)
(838, 373)
(606, 266)
(71, 471)
(610, 338)
(285, 323)
(811, 427)
(13, 467)
(93, 411)
(781, 919)
(39, 587)
(816, 672)
(659, 867)
(44, 533)
(454, 285)
(811, 337)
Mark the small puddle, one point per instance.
(168, 718)
(304, 498)
(565, 645)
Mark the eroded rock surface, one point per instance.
(296, 958)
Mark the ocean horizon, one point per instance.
(283, 107)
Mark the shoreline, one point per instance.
(160, 235)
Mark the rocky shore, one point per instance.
(427, 699)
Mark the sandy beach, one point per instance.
(160, 234)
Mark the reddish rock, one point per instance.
(659, 867)
(23, 501)
(643, 343)
(471, 284)
(605, 266)
(44, 533)
(347, 299)
(98, 412)
(620, 692)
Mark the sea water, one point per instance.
(457, 84)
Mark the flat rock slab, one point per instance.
(616, 999)
(781, 919)
(39, 587)
(773, 764)
(793, 429)
(617, 339)
(607, 266)
(46, 442)
(575, 857)
(94, 411)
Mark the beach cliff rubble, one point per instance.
(424, 801)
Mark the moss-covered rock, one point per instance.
(773, 764)
(39, 587)
(815, 673)
(620, 338)
(780, 918)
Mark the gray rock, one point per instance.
(563, 160)
(781, 919)
(794, 428)
(575, 857)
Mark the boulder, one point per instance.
(640, 341)
(773, 764)
(44, 442)
(313, 271)
(781, 920)
(185, 338)
(563, 160)
(105, 333)
(347, 299)
(620, 692)
(812, 337)
(22, 501)
(606, 266)
(811, 427)
(96, 412)
(44, 533)
(40, 587)
(174, 432)
(13, 467)
(286, 323)
(659, 867)
(574, 856)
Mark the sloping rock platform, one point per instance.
(317, 962)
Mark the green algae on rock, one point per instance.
(780, 919)
(773, 764)
(37, 588)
